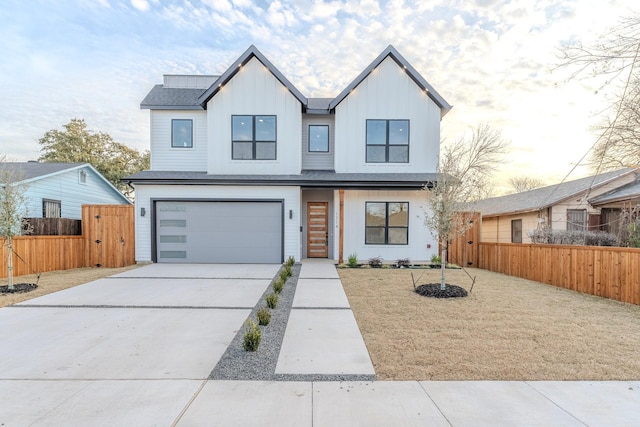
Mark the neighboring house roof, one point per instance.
(26, 172)
(629, 191)
(251, 52)
(542, 198)
(391, 52)
(322, 179)
(172, 98)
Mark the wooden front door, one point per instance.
(317, 229)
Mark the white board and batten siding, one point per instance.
(354, 227)
(387, 93)
(317, 160)
(164, 157)
(144, 194)
(254, 91)
(72, 194)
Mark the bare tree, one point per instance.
(464, 172)
(615, 59)
(521, 184)
(12, 212)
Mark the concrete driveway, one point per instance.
(146, 340)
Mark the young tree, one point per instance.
(521, 184)
(464, 172)
(12, 211)
(615, 58)
(76, 143)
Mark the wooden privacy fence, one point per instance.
(107, 240)
(464, 250)
(609, 272)
(54, 226)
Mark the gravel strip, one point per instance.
(238, 364)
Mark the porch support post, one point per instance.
(341, 230)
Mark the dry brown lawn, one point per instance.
(54, 281)
(506, 329)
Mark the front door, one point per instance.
(317, 229)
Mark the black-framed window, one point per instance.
(51, 208)
(576, 219)
(387, 223)
(387, 141)
(253, 137)
(318, 138)
(182, 133)
(516, 231)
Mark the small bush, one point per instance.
(285, 274)
(403, 262)
(272, 300)
(353, 260)
(264, 316)
(290, 261)
(252, 335)
(278, 285)
(375, 262)
(436, 259)
(545, 235)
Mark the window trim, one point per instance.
(386, 224)
(253, 140)
(309, 139)
(387, 145)
(173, 144)
(51, 201)
(82, 177)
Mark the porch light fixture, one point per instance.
(290, 213)
(143, 211)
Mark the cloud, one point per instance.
(141, 5)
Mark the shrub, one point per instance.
(403, 262)
(264, 316)
(353, 260)
(290, 261)
(545, 235)
(375, 262)
(436, 259)
(252, 335)
(272, 300)
(278, 285)
(285, 274)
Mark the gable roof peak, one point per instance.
(251, 52)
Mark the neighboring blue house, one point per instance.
(58, 190)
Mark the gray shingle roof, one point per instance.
(325, 179)
(544, 197)
(24, 171)
(162, 98)
(626, 192)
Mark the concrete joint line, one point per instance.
(528, 383)
(186, 407)
(434, 403)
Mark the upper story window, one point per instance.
(387, 141)
(318, 138)
(182, 133)
(82, 176)
(51, 208)
(253, 137)
(387, 223)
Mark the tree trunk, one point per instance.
(443, 264)
(9, 264)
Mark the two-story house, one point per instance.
(246, 169)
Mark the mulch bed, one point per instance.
(18, 288)
(433, 290)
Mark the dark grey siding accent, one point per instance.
(317, 161)
(219, 231)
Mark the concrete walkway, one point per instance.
(131, 350)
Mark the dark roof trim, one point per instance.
(251, 52)
(411, 72)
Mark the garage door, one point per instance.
(219, 232)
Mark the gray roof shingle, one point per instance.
(626, 192)
(161, 97)
(544, 197)
(23, 171)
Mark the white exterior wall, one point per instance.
(254, 91)
(72, 194)
(354, 227)
(166, 158)
(144, 194)
(387, 93)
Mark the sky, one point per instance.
(494, 61)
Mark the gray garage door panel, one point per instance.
(219, 232)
